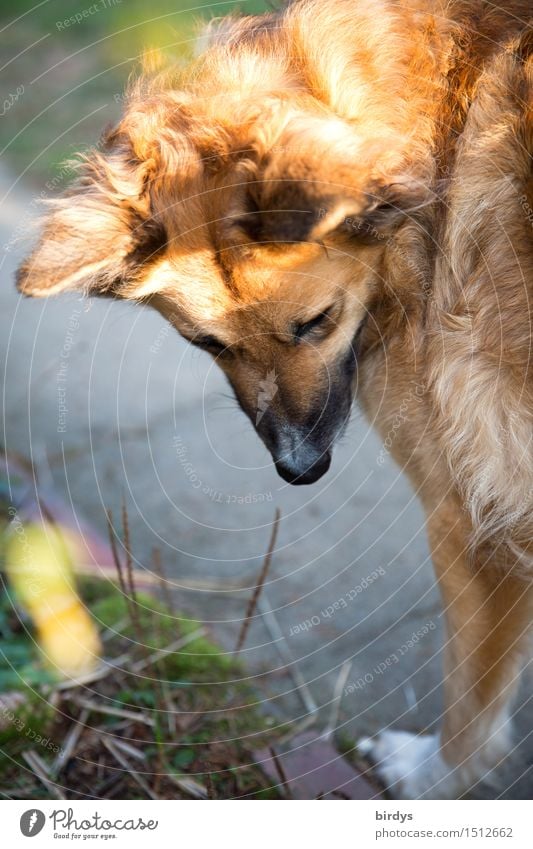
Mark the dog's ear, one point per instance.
(298, 212)
(99, 233)
(323, 179)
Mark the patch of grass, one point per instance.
(179, 721)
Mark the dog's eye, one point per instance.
(317, 323)
(211, 344)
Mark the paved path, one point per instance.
(107, 400)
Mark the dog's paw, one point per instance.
(411, 766)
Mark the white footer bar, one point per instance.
(266, 824)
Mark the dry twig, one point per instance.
(112, 711)
(70, 742)
(39, 768)
(252, 604)
(336, 701)
(281, 772)
(278, 638)
(126, 765)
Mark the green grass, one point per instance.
(201, 720)
(69, 78)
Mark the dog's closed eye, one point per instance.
(211, 344)
(318, 325)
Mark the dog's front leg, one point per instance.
(488, 611)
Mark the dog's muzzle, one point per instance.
(299, 459)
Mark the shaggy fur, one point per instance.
(341, 193)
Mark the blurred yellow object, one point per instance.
(39, 567)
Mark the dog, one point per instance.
(340, 193)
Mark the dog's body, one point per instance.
(342, 193)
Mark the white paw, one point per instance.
(411, 766)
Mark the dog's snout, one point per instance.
(299, 459)
(298, 473)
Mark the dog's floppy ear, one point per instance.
(300, 213)
(99, 232)
(323, 178)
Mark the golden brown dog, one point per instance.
(341, 193)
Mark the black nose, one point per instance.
(298, 474)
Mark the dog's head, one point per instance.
(256, 225)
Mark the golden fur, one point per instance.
(341, 193)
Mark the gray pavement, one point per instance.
(107, 400)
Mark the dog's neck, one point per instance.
(466, 40)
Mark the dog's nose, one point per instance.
(298, 473)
